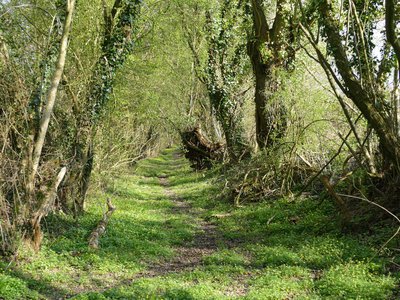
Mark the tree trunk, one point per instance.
(231, 123)
(199, 150)
(74, 190)
(390, 23)
(119, 27)
(221, 69)
(84, 180)
(270, 113)
(46, 207)
(52, 94)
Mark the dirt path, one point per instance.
(189, 256)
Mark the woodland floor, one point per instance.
(172, 237)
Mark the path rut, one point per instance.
(191, 255)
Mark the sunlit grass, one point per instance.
(283, 249)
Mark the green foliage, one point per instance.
(354, 281)
(152, 94)
(141, 230)
(90, 296)
(225, 34)
(283, 282)
(226, 258)
(12, 288)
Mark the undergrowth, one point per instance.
(281, 249)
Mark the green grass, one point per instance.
(283, 249)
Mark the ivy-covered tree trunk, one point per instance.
(391, 22)
(119, 28)
(230, 120)
(270, 111)
(223, 68)
(221, 71)
(270, 49)
(77, 184)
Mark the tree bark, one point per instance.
(390, 21)
(199, 150)
(83, 180)
(231, 123)
(44, 209)
(270, 113)
(221, 68)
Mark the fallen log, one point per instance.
(199, 150)
(101, 227)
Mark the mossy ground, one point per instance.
(283, 249)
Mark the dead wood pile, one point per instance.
(200, 151)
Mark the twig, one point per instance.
(328, 163)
